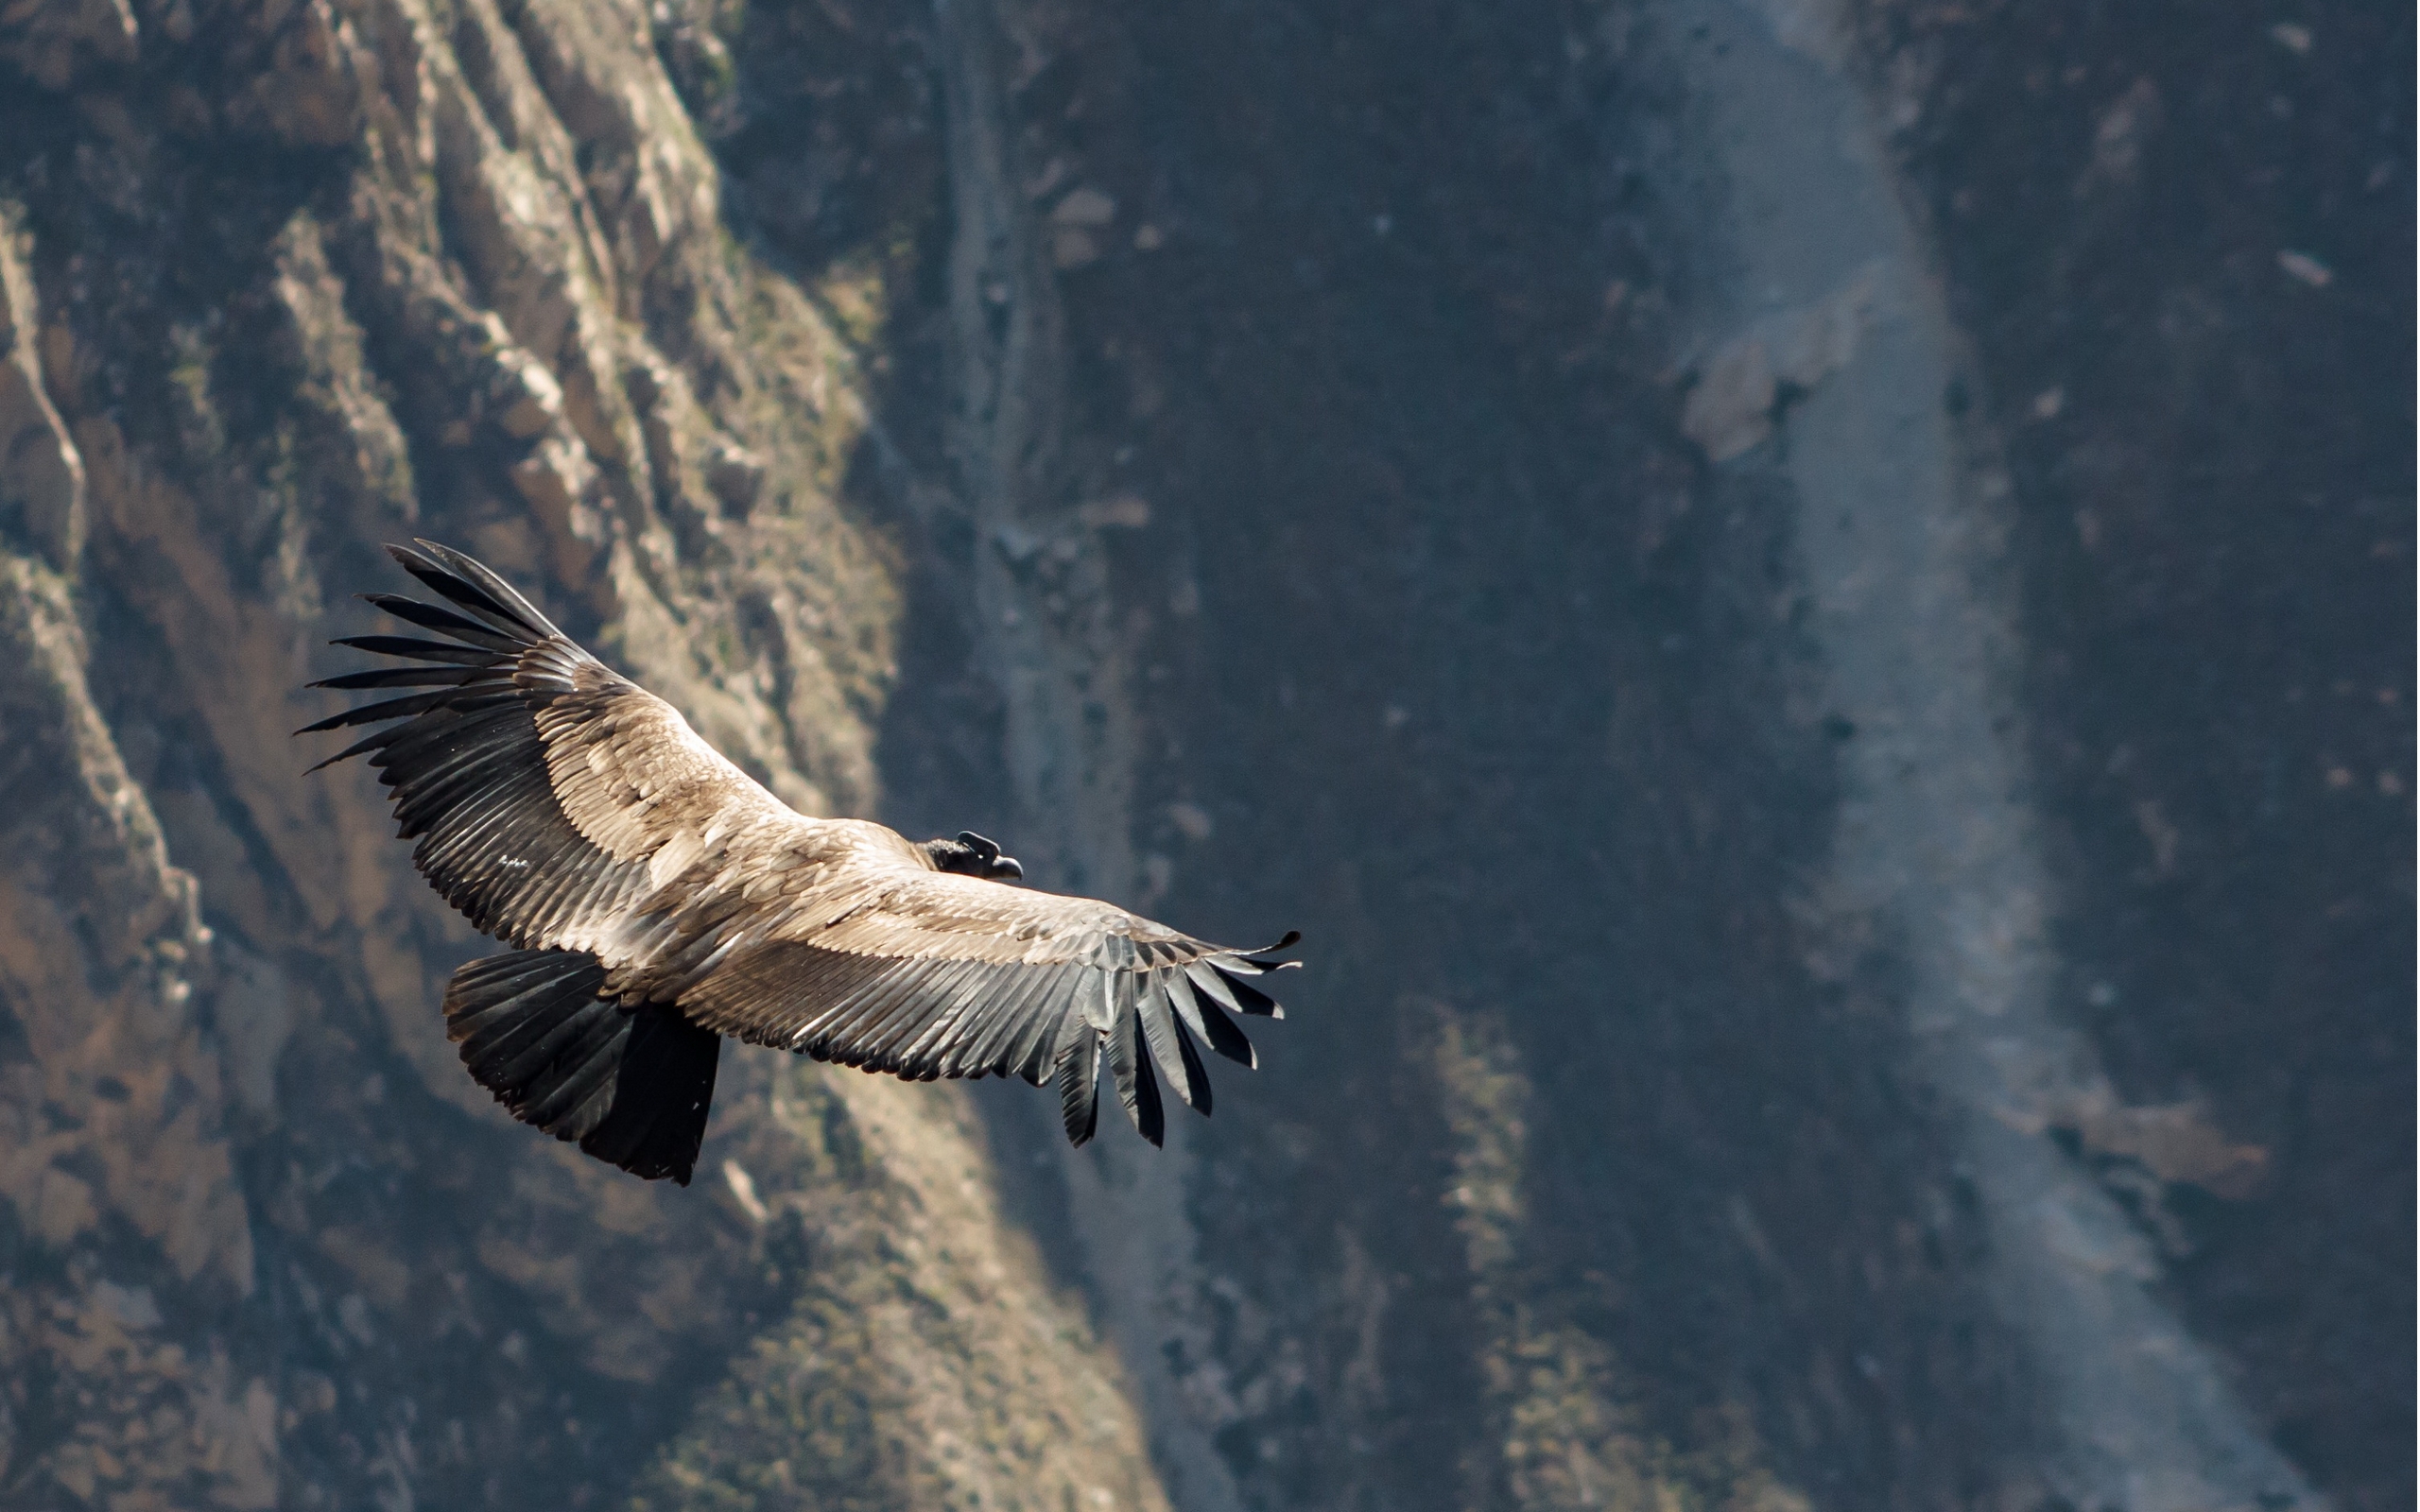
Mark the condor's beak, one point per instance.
(1005, 869)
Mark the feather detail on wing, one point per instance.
(929, 974)
(552, 797)
(466, 765)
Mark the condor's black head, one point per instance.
(971, 856)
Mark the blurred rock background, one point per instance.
(1277, 465)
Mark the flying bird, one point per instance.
(657, 899)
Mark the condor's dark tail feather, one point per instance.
(632, 1084)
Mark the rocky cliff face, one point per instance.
(1718, 661)
(283, 284)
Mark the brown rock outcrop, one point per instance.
(283, 282)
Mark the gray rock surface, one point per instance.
(1803, 602)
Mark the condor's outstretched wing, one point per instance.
(893, 967)
(561, 806)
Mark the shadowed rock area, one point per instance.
(1808, 603)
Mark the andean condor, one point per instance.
(658, 898)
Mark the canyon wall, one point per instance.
(1807, 604)
(285, 283)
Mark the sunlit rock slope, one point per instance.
(284, 281)
(1805, 602)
